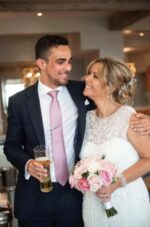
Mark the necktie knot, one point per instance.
(53, 94)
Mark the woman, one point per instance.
(110, 84)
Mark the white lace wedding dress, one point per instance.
(109, 136)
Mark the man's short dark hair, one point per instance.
(46, 42)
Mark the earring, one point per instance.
(108, 96)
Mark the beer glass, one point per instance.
(41, 154)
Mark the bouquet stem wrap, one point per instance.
(110, 210)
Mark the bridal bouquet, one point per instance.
(91, 175)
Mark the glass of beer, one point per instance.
(41, 154)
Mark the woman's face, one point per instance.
(93, 87)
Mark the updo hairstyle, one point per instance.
(118, 76)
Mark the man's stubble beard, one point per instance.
(58, 83)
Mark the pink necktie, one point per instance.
(58, 148)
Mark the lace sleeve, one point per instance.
(126, 113)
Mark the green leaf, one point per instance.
(114, 180)
(85, 175)
(103, 156)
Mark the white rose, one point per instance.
(94, 166)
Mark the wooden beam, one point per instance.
(120, 20)
(73, 5)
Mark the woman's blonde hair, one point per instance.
(118, 76)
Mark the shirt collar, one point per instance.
(43, 89)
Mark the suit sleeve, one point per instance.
(14, 143)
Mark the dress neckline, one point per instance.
(110, 116)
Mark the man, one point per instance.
(29, 125)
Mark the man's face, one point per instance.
(55, 71)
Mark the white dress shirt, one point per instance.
(69, 119)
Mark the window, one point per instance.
(9, 88)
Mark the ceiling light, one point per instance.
(127, 49)
(39, 14)
(141, 34)
(126, 32)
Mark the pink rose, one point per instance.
(109, 166)
(72, 181)
(106, 177)
(83, 184)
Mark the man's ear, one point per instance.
(41, 63)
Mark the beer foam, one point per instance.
(42, 159)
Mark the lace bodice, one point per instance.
(99, 130)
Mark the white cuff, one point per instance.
(26, 173)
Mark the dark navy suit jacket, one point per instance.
(25, 131)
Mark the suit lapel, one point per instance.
(79, 101)
(77, 98)
(33, 108)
